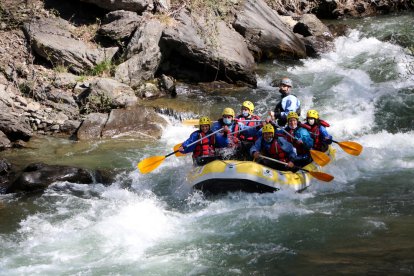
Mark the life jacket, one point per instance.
(240, 118)
(278, 108)
(206, 146)
(233, 138)
(276, 151)
(299, 147)
(316, 134)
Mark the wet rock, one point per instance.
(39, 176)
(310, 25)
(167, 84)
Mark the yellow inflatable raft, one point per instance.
(220, 176)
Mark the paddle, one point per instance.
(318, 175)
(352, 148)
(151, 163)
(319, 157)
(177, 152)
(194, 122)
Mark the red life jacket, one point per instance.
(299, 147)
(205, 147)
(240, 118)
(316, 133)
(276, 152)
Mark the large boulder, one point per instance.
(39, 176)
(197, 51)
(142, 54)
(105, 94)
(137, 121)
(92, 126)
(265, 31)
(52, 39)
(15, 127)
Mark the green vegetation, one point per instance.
(102, 69)
(97, 103)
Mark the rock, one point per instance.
(149, 91)
(4, 141)
(91, 127)
(196, 51)
(65, 80)
(138, 121)
(5, 173)
(142, 53)
(310, 25)
(105, 94)
(70, 126)
(52, 39)
(119, 25)
(15, 127)
(167, 84)
(264, 30)
(39, 176)
(61, 96)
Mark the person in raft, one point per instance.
(302, 140)
(227, 140)
(203, 151)
(288, 103)
(275, 147)
(248, 118)
(317, 128)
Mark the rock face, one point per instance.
(142, 53)
(215, 53)
(267, 34)
(39, 176)
(51, 38)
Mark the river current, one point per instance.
(154, 224)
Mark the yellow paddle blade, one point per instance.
(191, 122)
(149, 164)
(322, 176)
(320, 158)
(350, 147)
(177, 153)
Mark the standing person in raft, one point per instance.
(288, 103)
(249, 119)
(274, 147)
(302, 140)
(317, 129)
(227, 140)
(204, 151)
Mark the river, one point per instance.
(361, 223)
